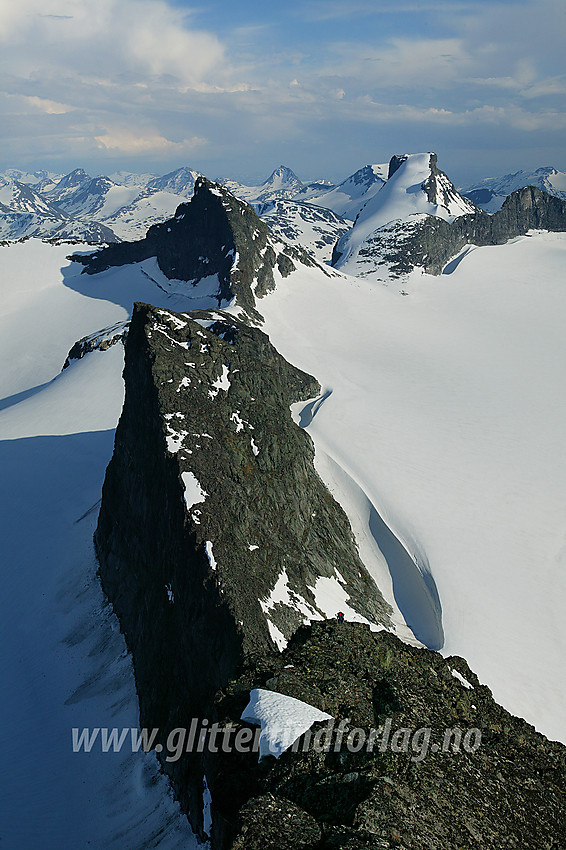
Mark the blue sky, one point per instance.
(323, 87)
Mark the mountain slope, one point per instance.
(412, 787)
(490, 193)
(305, 225)
(350, 196)
(415, 188)
(434, 422)
(127, 208)
(25, 213)
(64, 663)
(179, 182)
(215, 238)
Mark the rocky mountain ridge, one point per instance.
(231, 541)
(419, 785)
(224, 557)
(219, 569)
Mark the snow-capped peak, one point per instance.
(74, 178)
(415, 188)
(282, 178)
(415, 185)
(491, 192)
(181, 181)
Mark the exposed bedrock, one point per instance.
(449, 768)
(527, 209)
(216, 537)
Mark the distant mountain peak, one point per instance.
(282, 173)
(74, 178)
(416, 189)
(490, 193)
(181, 181)
(365, 176)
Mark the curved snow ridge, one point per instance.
(400, 569)
(303, 413)
(453, 264)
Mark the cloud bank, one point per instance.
(146, 82)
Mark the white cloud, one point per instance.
(136, 78)
(133, 40)
(511, 116)
(126, 141)
(50, 107)
(402, 62)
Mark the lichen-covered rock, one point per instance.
(507, 788)
(277, 823)
(433, 784)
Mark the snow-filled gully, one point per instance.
(413, 586)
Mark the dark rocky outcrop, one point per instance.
(214, 234)
(395, 164)
(210, 502)
(100, 341)
(524, 210)
(503, 788)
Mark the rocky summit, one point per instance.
(213, 235)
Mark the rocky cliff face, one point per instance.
(214, 235)
(527, 209)
(440, 190)
(216, 538)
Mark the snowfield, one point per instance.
(64, 663)
(444, 414)
(282, 719)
